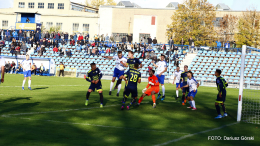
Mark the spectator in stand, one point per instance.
(62, 67)
(176, 59)
(63, 51)
(37, 36)
(2, 34)
(149, 69)
(7, 33)
(80, 38)
(42, 50)
(7, 67)
(93, 52)
(72, 42)
(17, 50)
(149, 40)
(107, 38)
(218, 45)
(69, 53)
(43, 35)
(234, 44)
(154, 41)
(143, 52)
(191, 44)
(227, 46)
(75, 37)
(171, 43)
(12, 49)
(78, 49)
(55, 49)
(152, 54)
(111, 38)
(20, 35)
(124, 39)
(18, 69)
(41, 69)
(38, 50)
(12, 67)
(66, 37)
(182, 43)
(33, 69)
(108, 51)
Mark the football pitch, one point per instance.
(53, 113)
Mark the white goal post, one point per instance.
(241, 83)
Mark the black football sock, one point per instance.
(87, 95)
(218, 109)
(183, 96)
(101, 98)
(224, 108)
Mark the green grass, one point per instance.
(54, 114)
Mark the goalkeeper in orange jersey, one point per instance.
(153, 82)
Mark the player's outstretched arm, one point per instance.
(174, 80)
(184, 86)
(109, 57)
(154, 64)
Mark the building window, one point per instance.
(75, 27)
(60, 5)
(50, 5)
(91, 11)
(31, 5)
(40, 5)
(49, 25)
(217, 21)
(5, 24)
(86, 28)
(59, 25)
(21, 5)
(77, 8)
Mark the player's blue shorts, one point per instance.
(186, 89)
(133, 92)
(160, 79)
(177, 85)
(192, 93)
(221, 99)
(27, 73)
(118, 73)
(97, 86)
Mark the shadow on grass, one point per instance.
(15, 99)
(40, 88)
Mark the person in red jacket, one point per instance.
(153, 82)
(80, 37)
(72, 42)
(55, 49)
(93, 44)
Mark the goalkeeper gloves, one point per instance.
(151, 83)
(144, 90)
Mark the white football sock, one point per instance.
(177, 93)
(119, 88)
(111, 86)
(163, 90)
(23, 83)
(29, 83)
(190, 103)
(193, 103)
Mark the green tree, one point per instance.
(111, 2)
(193, 18)
(227, 27)
(248, 29)
(54, 28)
(97, 3)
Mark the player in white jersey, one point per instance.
(193, 85)
(161, 68)
(118, 71)
(177, 75)
(26, 65)
(2, 69)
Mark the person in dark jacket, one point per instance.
(130, 38)
(66, 37)
(154, 41)
(149, 40)
(123, 39)
(171, 43)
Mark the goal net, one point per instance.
(249, 93)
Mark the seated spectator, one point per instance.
(38, 50)
(42, 50)
(24, 47)
(12, 67)
(72, 42)
(18, 69)
(17, 50)
(93, 51)
(78, 48)
(41, 69)
(55, 49)
(69, 53)
(108, 51)
(152, 54)
(33, 69)
(7, 67)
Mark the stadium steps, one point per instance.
(188, 59)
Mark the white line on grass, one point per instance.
(87, 124)
(190, 135)
(32, 113)
(45, 85)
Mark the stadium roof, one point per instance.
(125, 3)
(222, 6)
(173, 5)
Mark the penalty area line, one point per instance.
(190, 135)
(43, 85)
